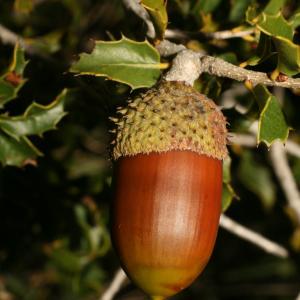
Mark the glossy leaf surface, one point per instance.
(134, 63)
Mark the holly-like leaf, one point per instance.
(36, 120)
(17, 153)
(15, 147)
(134, 63)
(12, 80)
(272, 123)
(158, 13)
(288, 57)
(263, 52)
(272, 23)
(275, 25)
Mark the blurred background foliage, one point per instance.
(54, 211)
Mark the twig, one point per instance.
(253, 237)
(139, 10)
(292, 148)
(285, 177)
(248, 140)
(212, 65)
(230, 34)
(218, 35)
(185, 67)
(218, 67)
(115, 285)
(167, 48)
(11, 38)
(283, 170)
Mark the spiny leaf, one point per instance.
(263, 52)
(288, 57)
(158, 13)
(15, 148)
(36, 120)
(282, 32)
(17, 153)
(134, 63)
(12, 80)
(272, 123)
(18, 62)
(275, 25)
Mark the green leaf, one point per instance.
(295, 20)
(158, 13)
(15, 148)
(8, 91)
(46, 44)
(238, 10)
(226, 170)
(288, 57)
(18, 63)
(228, 193)
(206, 6)
(257, 178)
(282, 32)
(274, 6)
(134, 63)
(96, 235)
(17, 153)
(251, 14)
(264, 50)
(67, 261)
(36, 120)
(275, 25)
(12, 80)
(272, 123)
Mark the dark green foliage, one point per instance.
(55, 171)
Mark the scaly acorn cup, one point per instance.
(169, 146)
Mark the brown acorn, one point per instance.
(168, 149)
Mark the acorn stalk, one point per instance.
(168, 151)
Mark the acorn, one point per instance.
(168, 150)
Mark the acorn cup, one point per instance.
(168, 152)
